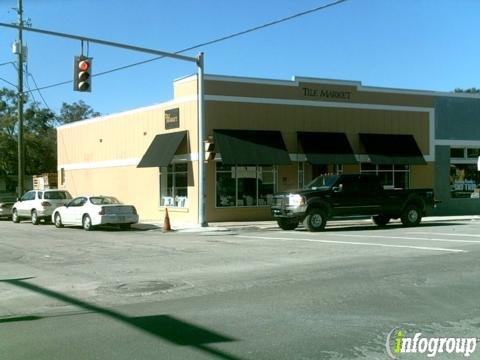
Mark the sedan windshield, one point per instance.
(322, 182)
(104, 200)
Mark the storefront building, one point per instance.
(270, 136)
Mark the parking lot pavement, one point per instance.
(282, 294)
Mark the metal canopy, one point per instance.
(326, 148)
(251, 147)
(162, 150)
(397, 149)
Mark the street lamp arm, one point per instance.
(103, 42)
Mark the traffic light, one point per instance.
(82, 74)
(209, 149)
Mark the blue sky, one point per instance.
(412, 44)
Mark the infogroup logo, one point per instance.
(398, 343)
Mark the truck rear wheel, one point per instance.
(411, 216)
(287, 224)
(380, 220)
(315, 220)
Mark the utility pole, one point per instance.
(20, 58)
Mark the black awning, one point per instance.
(162, 149)
(392, 149)
(326, 148)
(251, 147)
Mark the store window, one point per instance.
(391, 176)
(458, 153)
(301, 175)
(316, 170)
(174, 185)
(238, 186)
(464, 175)
(464, 180)
(473, 153)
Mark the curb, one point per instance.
(266, 225)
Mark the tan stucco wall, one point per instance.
(121, 138)
(290, 119)
(294, 91)
(422, 176)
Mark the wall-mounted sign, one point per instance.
(172, 118)
(326, 94)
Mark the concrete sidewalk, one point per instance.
(272, 224)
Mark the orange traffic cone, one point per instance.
(166, 222)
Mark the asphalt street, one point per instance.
(239, 294)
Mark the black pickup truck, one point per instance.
(345, 195)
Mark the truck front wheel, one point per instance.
(287, 224)
(411, 216)
(315, 220)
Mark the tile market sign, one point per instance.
(172, 118)
(326, 94)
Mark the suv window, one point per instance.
(40, 195)
(28, 196)
(57, 195)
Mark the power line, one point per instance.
(8, 82)
(38, 90)
(224, 38)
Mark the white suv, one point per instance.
(39, 204)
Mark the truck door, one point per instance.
(370, 195)
(344, 196)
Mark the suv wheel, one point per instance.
(315, 220)
(87, 223)
(35, 219)
(411, 216)
(15, 217)
(287, 224)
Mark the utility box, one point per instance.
(45, 181)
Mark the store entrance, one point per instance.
(318, 170)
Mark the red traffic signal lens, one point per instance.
(84, 65)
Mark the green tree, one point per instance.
(40, 140)
(40, 137)
(468, 91)
(75, 112)
(8, 132)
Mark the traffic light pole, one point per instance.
(199, 61)
(202, 199)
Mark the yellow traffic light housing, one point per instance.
(82, 74)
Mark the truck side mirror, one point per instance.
(337, 189)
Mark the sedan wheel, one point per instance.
(15, 217)
(35, 219)
(87, 223)
(58, 221)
